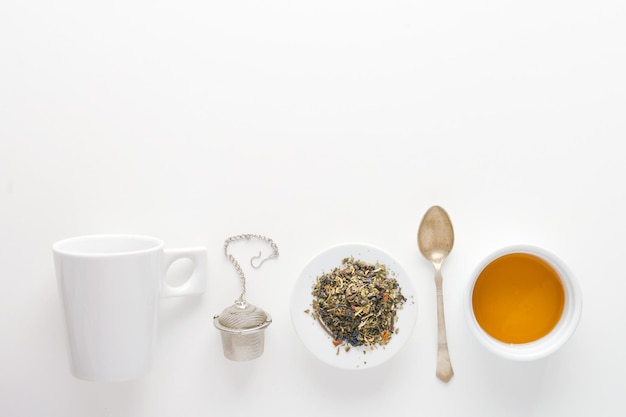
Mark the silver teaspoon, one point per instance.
(435, 238)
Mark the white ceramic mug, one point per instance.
(110, 287)
(560, 333)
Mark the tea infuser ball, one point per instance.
(242, 325)
(243, 329)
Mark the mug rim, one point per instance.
(68, 246)
(558, 336)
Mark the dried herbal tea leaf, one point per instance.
(356, 303)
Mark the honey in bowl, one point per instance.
(518, 298)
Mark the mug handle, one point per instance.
(196, 282)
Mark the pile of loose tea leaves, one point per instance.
(356, 303)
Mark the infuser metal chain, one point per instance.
(237, 266)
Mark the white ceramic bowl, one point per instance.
(562, 331)
(317, 341)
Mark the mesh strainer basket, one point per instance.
(242, 327)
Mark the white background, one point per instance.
(314, 123)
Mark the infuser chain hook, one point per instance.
(254, 258)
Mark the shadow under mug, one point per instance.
(110, 286)
(567, 321)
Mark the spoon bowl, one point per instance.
(435, 239)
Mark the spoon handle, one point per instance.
(444, 367)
